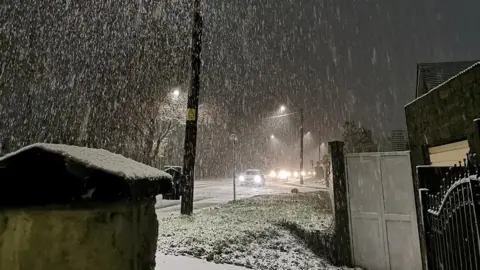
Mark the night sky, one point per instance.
(338, 59)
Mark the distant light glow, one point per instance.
(272, 136)
(282, 108)
(283, 174)
(176, 92)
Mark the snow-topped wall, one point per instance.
(69, 207)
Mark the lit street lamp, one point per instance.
(282, 109)
(176, 92)
(272, 136)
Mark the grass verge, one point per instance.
(288, 231)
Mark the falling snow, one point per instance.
(115, 75)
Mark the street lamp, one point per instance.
(234, 139)
(301, 146)
(282, 108)
(272, 136)
(176, 92)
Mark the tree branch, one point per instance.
(161, 138)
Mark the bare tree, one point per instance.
(157, 121)
(357, 139)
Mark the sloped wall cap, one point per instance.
(53, 173)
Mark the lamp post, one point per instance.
(301, 146)
(282, 109)
(234, 139)
(192, 112)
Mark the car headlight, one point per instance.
(314, 173)
(283, 174)
(303, 173)
(257, 178)
(273, 174)
(295, 174)
(309, 173)
(289, 174)
(241, 178)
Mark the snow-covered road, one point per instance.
(212, 192)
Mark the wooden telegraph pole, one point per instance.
(192, 112)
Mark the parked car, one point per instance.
(177, 174)
(252, 177)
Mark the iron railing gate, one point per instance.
(450, 219)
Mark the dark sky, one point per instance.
(339, 59)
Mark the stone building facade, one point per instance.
(444, 115)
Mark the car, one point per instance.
(280, 174)
(252, 177)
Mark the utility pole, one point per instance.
(301, 146)
(233, 138)
(192, 112)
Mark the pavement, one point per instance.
(208, 193)
(308, 182)
(166, 262)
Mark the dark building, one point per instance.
(440, 119)
(440, 122)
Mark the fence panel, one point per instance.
(382, 211)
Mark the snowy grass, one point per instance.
(257, 233)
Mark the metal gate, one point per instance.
(450, 216)
(383, 223)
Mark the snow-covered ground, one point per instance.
(248, 232)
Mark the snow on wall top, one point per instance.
(99, 159)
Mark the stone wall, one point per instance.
(120, 236)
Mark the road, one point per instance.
(213, 192)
